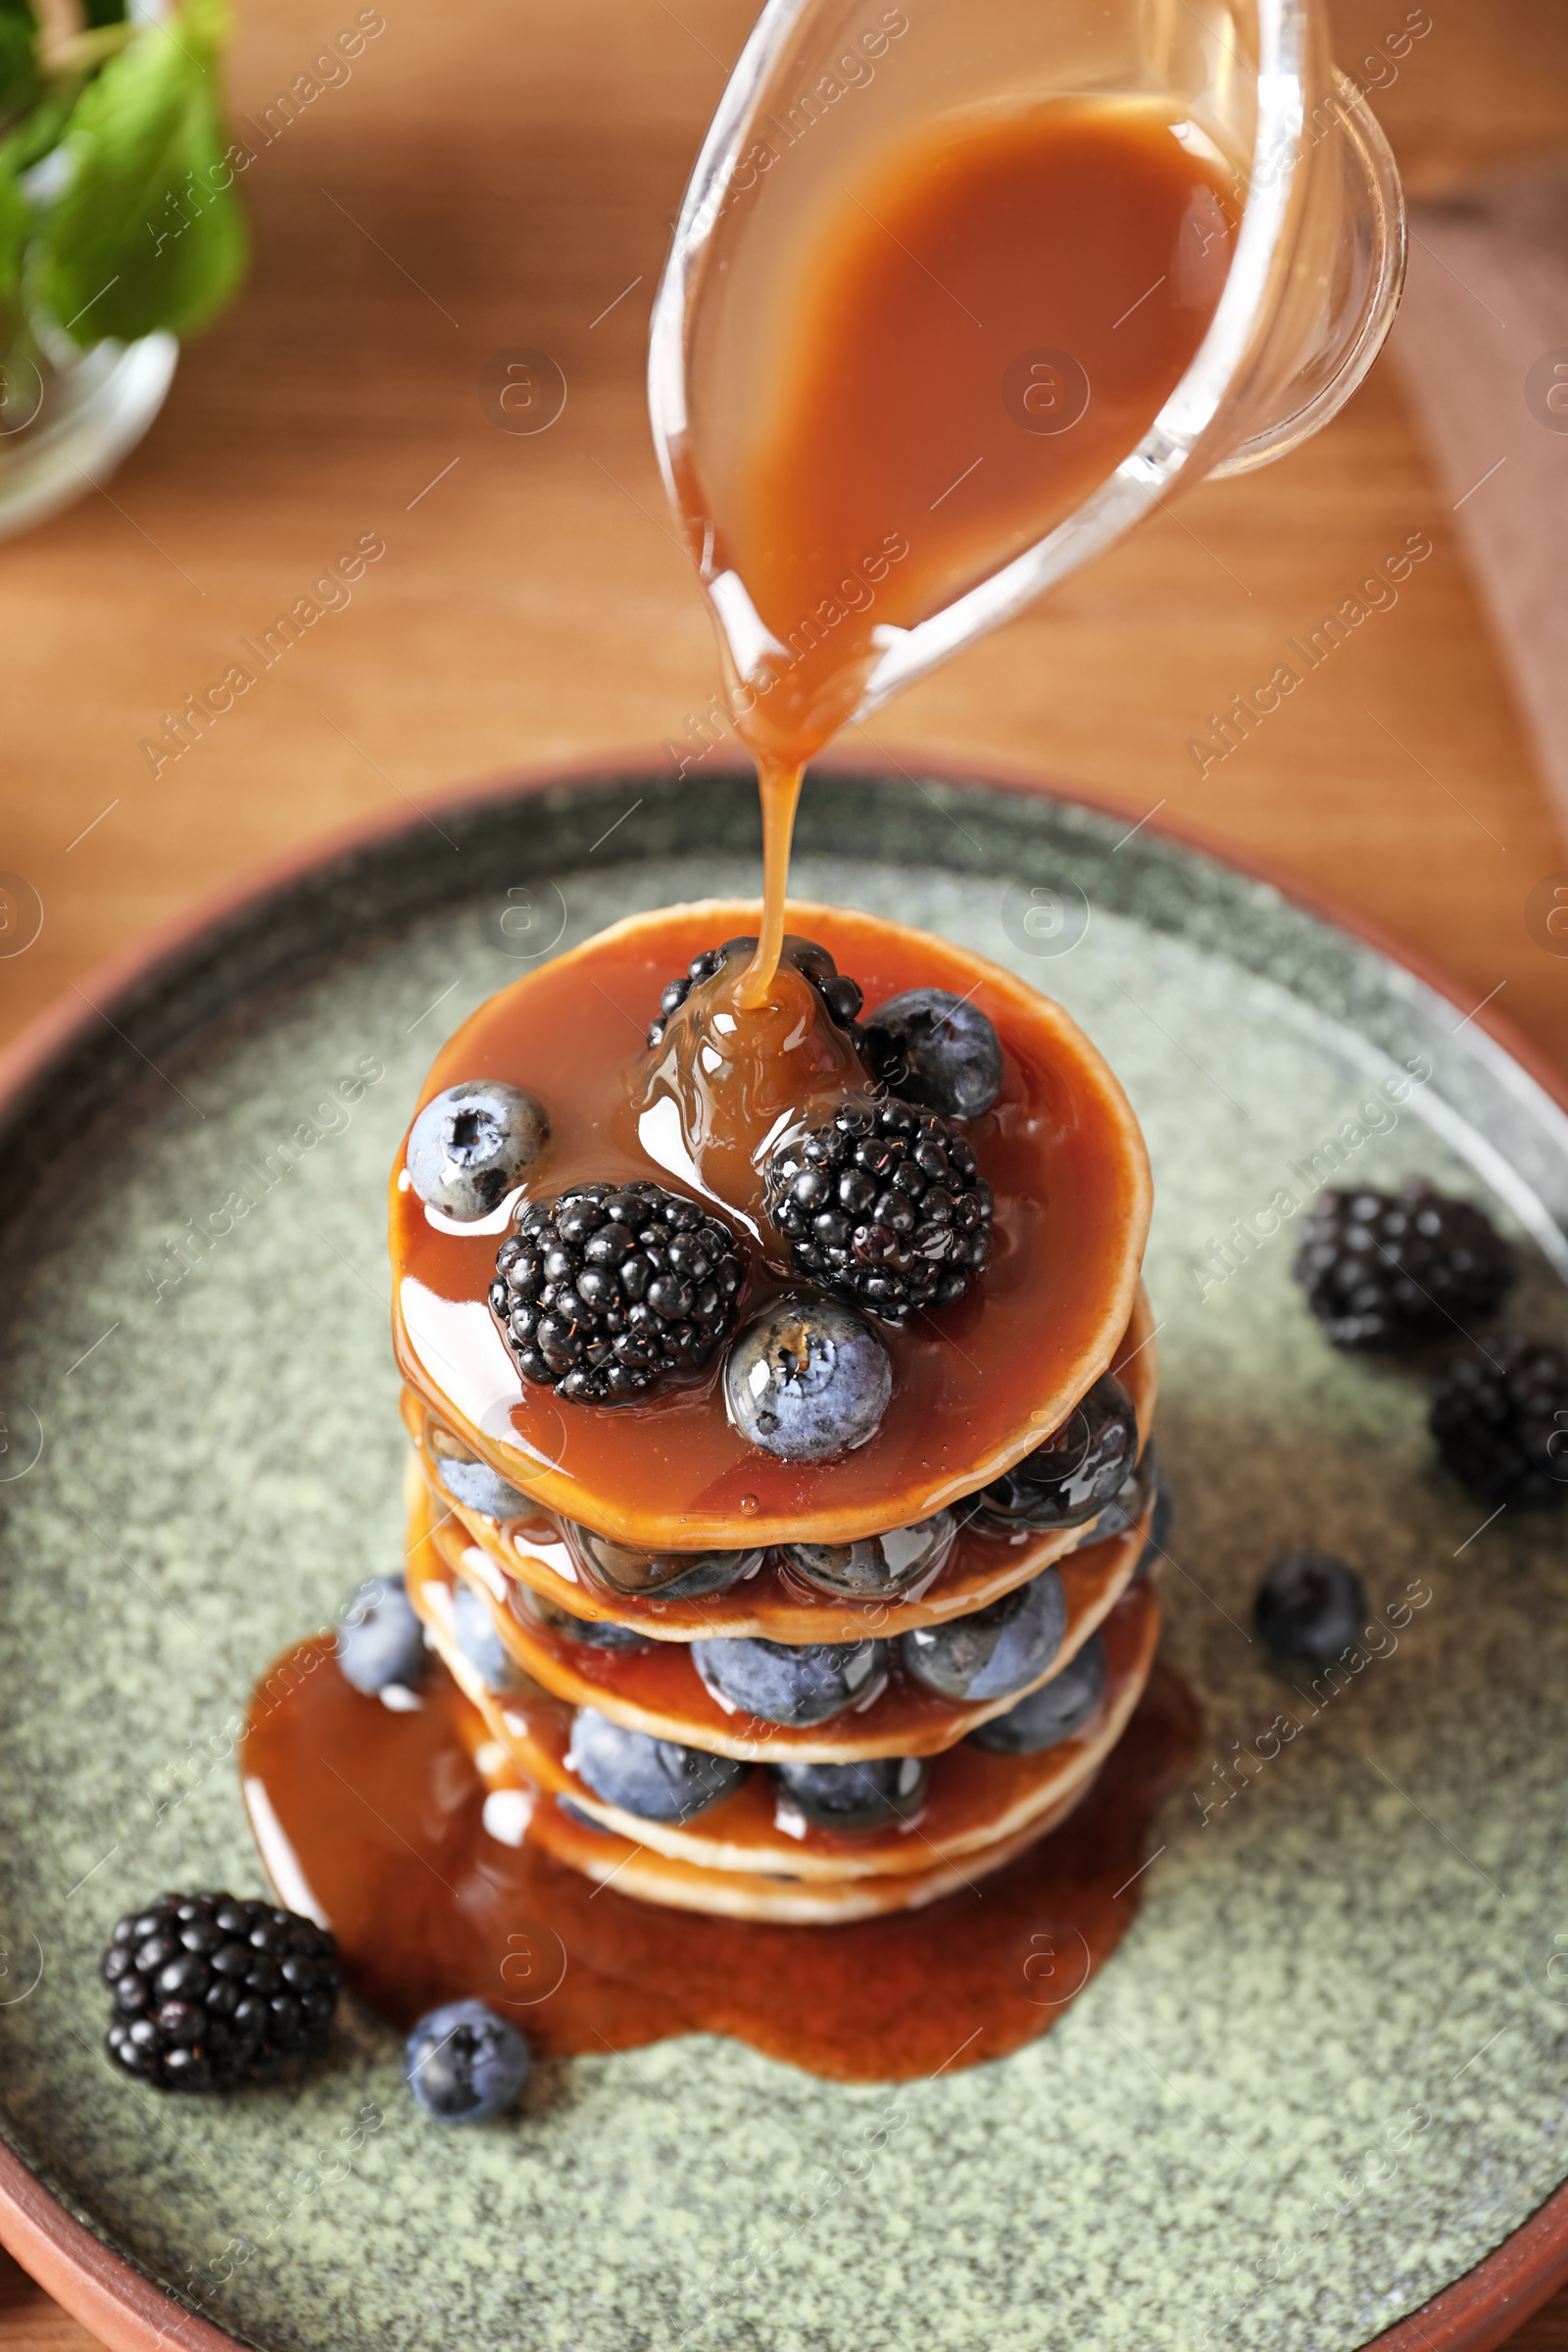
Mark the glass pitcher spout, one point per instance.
(960, 290)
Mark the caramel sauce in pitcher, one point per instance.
(979, 334)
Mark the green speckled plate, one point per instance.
(1324, 2075)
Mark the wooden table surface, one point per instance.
(504, 176)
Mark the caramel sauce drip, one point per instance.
(742, 1072)
(779, 784)
(379, 1817)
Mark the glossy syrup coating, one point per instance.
(976, 1385)
(658, 1689)
(754, 1591)
(972, 1798)
(877, 2002)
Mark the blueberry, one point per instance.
(1054, 1711)
(471, 1145)
(594, 1632)
(657, 1780)
(471, 1481)
(1310, 1606)
(878, 1566)
(791, 1683)
(379, 1639)
(806, 1379)
(852, 1796)
(1078, 1470)
(1131, 1499)
(477, 1638)
(673, 1575)
(463, 2064)
(930, 1046)
(993, 1651)
(1156, 1546)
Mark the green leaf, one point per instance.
(16, 221)
(18, 66)
(32, 138)
(148, 234)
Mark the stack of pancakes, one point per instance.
(752, 1854)
(554, 1625)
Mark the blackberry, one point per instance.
(885, 1207)
(209, 1990)
(1503, 1428)
(608, 1289)
(842, 997)
(1385, 1269)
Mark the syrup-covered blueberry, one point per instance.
(657, 1780)
(1078, 1470)
(782, 1681)
(993, 1651)
(469, 1480)
(673, 1574)
(849, 1798)
(591, 1632)
(380, 1642)
(1157, 1544)
(928, 1046)
(474, 1623)
(471, 1145)
(1131, 1499)
(808, 1379)
(1055, 1711)
(464, 2064)
(877, 1566)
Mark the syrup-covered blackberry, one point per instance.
(609, 1288)
(885, 1206)
(842, 997)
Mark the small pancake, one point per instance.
(972, 1799)
(985, 1561)
(741, 1894)
(976, 1385)
(658, 1689)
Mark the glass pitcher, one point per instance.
(1316, 232)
